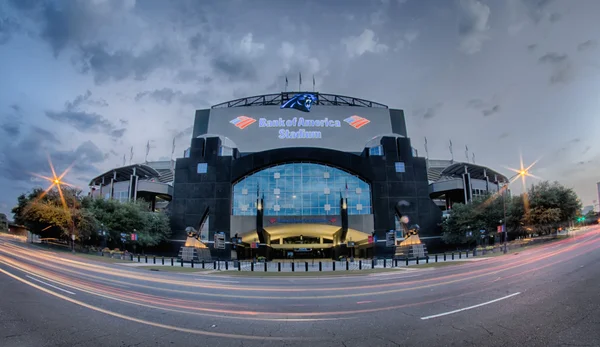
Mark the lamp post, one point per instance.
(503, 221)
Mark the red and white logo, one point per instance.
(242, 122)
(357, 122)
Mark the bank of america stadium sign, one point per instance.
(305, 125)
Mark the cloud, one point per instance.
(532, 47)
(28, 154)
(429, 112)
(236, 59)
(168, 96)
(562, 70)
(587, 149)
(503, 135)
(536, 9)
(117, 65)
(473, 25)
(587, 45)
(86, 122)
(491, 111)
(555, 17)
(8, 27)
(363, 43)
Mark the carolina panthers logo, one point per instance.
(302, 102)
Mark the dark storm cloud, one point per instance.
(106, 65)
(491, 111)
(11, 129)
(161, 95)
(8, 27)
(562, 70)
(234, 68)
(587, 45)
(86, 122)
(430, 112)
(537, 9)
(168, 95)
(50, 137)
(553, 58)
(27, 155)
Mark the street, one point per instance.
(542, 296)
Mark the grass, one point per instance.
(305, 274)
(171, 269)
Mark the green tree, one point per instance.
(119, 218)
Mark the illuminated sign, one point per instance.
(301, 102)
(357, 122)
(242, 122)
(284, 132)
(300, 220)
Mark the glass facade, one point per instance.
(301, 189)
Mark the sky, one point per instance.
(86, 80)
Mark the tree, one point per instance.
(52, 216)
(119, 218)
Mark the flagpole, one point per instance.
(299, 81)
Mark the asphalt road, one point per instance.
(544, 296)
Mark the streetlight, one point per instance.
(520, 173)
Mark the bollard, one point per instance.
(163, 260)
(384, 263)
(154, 260)
(192, 262)
(138, 258)
(467, 253)
(372, 263)
(265, 266)
(293, 266)
(417, 260)
(459, 255)
(251, 266)
(347, 265)
(181, 261)
(146, 259)
(171, 261)
(214, 265)
(306, 266)
(444, 256)
(131, 257)
(203, 264)
(406, 261)
(102, 254)
(239, 266)
(320, 266)
(334, 266)
(427, 260)
(279, 267)
(360, 264)
(226, 265)
(452, 255)
(396, 262)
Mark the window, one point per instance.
(400, 166)
(225, 151)
(301, 189)
(202, 168)
(376, 151)
(186, 153)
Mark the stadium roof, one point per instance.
(124, 174)
(440, 169)
(281, 98)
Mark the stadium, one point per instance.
(300, 174)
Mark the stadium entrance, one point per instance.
(304, 240)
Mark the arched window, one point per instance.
(301, 189)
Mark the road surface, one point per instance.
(544, 296)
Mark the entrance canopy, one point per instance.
(279, 233)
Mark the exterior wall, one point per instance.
(194, 192)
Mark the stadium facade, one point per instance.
(300, 174)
